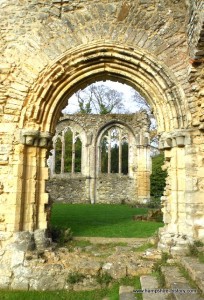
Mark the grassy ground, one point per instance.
(111, 292)
(101, 220)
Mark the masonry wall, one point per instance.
(110, 189)
(91, 185)
(116, 189)
(51, 49)
(64, 189)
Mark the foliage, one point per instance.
(102, 220)
(58, 154)
(78, 149)
(158, 176)
(68, 154)
(61, 235)
(68, 151)
(154, 203)
(143, 105)
(125, 158)
(157, 269)
(99, 99)
(201, 257)
(114, 157)
(104, 279)
(75, 277)
(186, 274)
(143, 247)
(198, 243)
(194, 250)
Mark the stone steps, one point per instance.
(149, 282)
(195, 270)
(126, 293)
(174, 280)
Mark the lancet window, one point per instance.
(67, 152)
(114, 151)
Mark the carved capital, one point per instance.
(36, 138)
(45, 139)
(29, 137)
(175, 139)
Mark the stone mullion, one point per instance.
(73, 153)
(120, 154)
(109, 152)
(63, 152)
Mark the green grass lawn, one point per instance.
(102, 220)
(98, 294)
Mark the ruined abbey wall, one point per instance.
(92, 184)
(49, 50)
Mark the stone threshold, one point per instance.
(103, 240)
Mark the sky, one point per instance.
(123, 88)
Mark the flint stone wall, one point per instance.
(49, 50)
(110, 189)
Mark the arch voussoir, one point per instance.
(82, 66)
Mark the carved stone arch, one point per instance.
(110, 124)
(87, 64)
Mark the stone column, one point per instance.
(184, 193)
(33, 197)
(143, 173)
(92, 169)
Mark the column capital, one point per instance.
(36, 138)
(177, 138)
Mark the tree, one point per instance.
(125, 157)
(143, 105)
(140, 102)
(158, 176)
(99, 99)
(58, 154)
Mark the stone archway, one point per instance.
(134, 67)
(85, 65)
(41, 70)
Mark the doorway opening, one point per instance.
(103, 147)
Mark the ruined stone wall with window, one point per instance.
(101, 159)
(51, 49)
